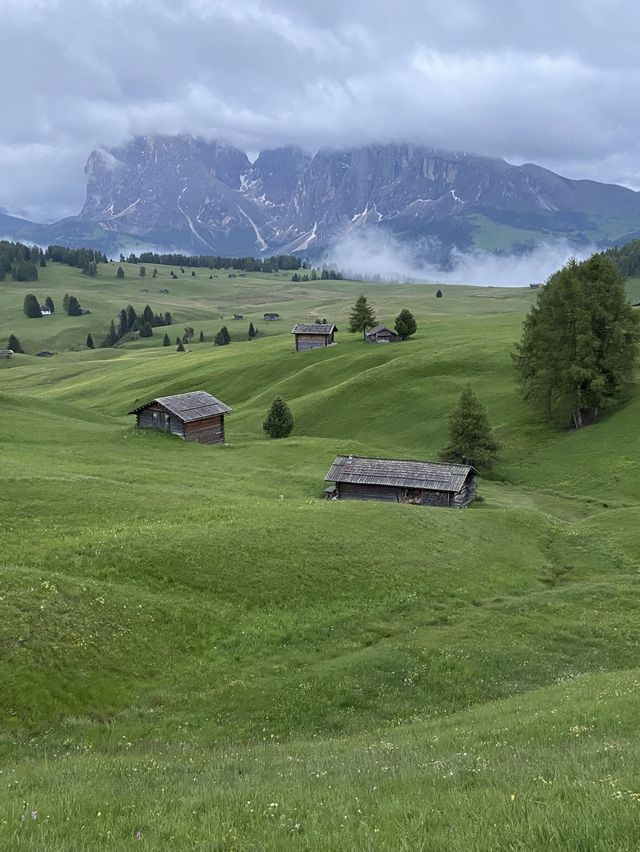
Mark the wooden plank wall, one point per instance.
(209, 431)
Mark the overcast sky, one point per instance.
(554, 83)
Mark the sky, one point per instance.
(555, 83)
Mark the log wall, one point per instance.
(392, 494)
(312, 341)
(209, 431)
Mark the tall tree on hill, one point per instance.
(362, 316)
(48, 303)
(14, 345)
(201, 338)
(471, 440)
(120, 272)
(279, 420)
(132, 317)
(252, 331)
(405, 324)
(90, 343)
(579, 342)
(31, 307)
(142, 272)
(112, 335)
(165, 340)
(146, 330)
(223, 337)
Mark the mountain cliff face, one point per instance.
(207, 197)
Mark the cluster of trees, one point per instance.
(315, 275)
(363, 317)
(83, 258)
(626, 257)
(20, 261)
(245, 264)
(129, 321)
(31, 306)
(579, 342)
(223, 337)
(71, 306)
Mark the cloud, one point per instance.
(376, 253)
(549, 82)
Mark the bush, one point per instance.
(14, 344)
(31, 307)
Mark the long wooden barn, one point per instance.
(400, 481)
(195, 416)
(313, 335)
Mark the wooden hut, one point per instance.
(313, 335)
(399, 481)
(270, 316)
(381, 334)
(195, 416)
(238, 316)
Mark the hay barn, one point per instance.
(381, 334)
(195, 416)
(401, 481)
(313, 335)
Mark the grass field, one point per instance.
(198, 652)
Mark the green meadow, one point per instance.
(197, 651)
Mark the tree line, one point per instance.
(206, 261)
(130, 321)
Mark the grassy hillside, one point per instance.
(198, 651)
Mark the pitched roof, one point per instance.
(400, 473)
(313, 328)
(189, 406)
(378, 328)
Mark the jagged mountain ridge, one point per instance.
(207, 197)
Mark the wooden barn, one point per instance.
(313, 335)
(271, 316)
(238, 316)
(195, 416)
(399, 481)
(381, 334)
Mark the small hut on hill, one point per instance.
(195, 416)
(381, 334)
(271, 316)
(314, 335)
(400, 481)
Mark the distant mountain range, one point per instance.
(193, 195)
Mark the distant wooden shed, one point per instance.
(381, 334)
(271, 316)
(238, 316)
(400, 481)
(6, 353)
(313, 335)
(195, 416)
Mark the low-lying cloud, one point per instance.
(376, 254)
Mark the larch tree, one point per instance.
(471, 440)
(362, 316)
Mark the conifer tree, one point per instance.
(579, 343)
(146, 330)
(405, 324)
(179, 343)
(180, 346)
(14, 345)
(362, 316)
(222, 337)
(120, 272)
(279, 420)
(252, 331)
(48, 303)
(471, 440)
(142, 272)
(31, 307)
(90, 343)
(165, 340)
(201, 337)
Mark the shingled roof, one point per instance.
(196, 405)
(378, 328)
(313, 328)
(399, 473)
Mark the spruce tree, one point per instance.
(252, 331)
(90, 343)
(405, 324)
(31, 307)
(279, 420)
(146, 330)
(48, 303)
(14, 345)
(362, 316)
(179, 343)
(222, 337)
(165, 340)
(579, 343)
(120, 272)
(142, 272)
(180, 346)
(471, 440)
(201, 338)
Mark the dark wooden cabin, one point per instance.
(238, 316)
(399, 481)
(381, 334)
(195, 416)
(271, 316)
(313, 335)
